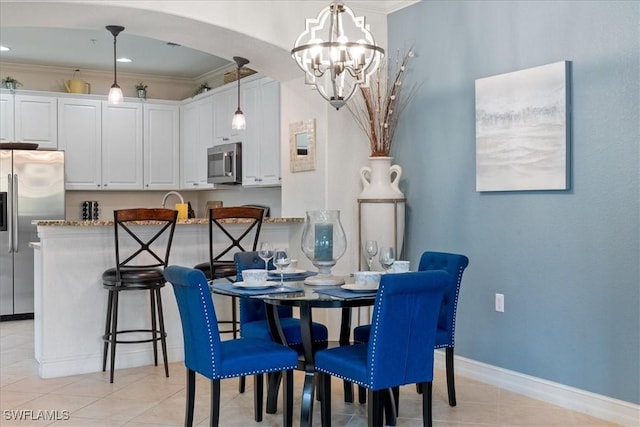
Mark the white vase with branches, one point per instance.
(376, 110)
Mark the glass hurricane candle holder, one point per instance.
(324, 243)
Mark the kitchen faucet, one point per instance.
(175, 193)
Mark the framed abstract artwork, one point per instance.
(523, 129)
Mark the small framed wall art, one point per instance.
(523, 129)
(302, 145)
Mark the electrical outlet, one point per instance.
(500, 303)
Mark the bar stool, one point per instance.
(237, 224)
(141, 256)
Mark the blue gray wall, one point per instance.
(566, 261)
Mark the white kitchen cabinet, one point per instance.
(6, 117)
(161, 146)
(225, 104)
(197, 136)
(261, 143)
(36, 120)
(122, 146)
(80, 136)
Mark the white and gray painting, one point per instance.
(521, 130)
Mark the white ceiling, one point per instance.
(93, 49)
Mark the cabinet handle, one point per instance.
(195, 184)
(225, 139)
(147, 185)
(98, 185)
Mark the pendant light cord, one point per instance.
(115, 70)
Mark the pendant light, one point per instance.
(239, 121)
(115, 93)
(337, 53)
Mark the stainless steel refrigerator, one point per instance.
(31, 188)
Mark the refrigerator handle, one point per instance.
(10, 211)
(15, 213)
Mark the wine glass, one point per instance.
(387, 258)
(265, 252)
(371, 248)
(281, 260)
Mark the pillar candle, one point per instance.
(323, 249)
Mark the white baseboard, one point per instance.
(596, 405)
(89, 363)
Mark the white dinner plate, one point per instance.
(358, 288)
(266, 285)
(296, 272)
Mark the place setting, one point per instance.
(256, 281)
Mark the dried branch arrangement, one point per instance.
(376, 109)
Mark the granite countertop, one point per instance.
(101, 222)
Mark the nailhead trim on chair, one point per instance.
(213, 365)
(455, 304)
(206, 314)
(342, 377)
(374, 334)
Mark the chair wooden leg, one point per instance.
(427, 397)
(257, 397)
(348, 391)
(287, 399)
(214, 417)
(272, 392)
(234, 316)
(375, 408)
(451, 385)
(325, 400)
(191, 397)
(241, 384)
(107, 330)
(154, 326)
(390, 406)
(163, 334)
(362, 394)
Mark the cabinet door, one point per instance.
(122, 146)
(225, 104)
(6, 118)
(261, 144)
(197, 136)
(161, 147)
(79, 126)
(36, 120)
(270, 144)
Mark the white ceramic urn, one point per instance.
(381, 207)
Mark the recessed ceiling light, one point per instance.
(4, 49)
(125, 60)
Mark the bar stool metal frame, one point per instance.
(141, 270)
(219, 268)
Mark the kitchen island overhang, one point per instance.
(70, 304)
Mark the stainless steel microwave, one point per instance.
(224, 164)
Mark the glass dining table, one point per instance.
(295, 293)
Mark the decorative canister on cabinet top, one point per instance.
(381, 207)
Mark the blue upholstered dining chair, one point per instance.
(405, 315)
(253, 317)
(455, 265)
(206, 354)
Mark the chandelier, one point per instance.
(337, 53)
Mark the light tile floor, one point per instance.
(143, 397)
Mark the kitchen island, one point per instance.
(70, 304)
